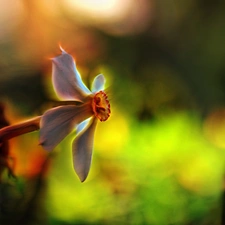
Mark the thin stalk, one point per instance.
(12, 131)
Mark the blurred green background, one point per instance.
(159, 159)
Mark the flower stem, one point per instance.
(12, 131)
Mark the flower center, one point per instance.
(101, 106)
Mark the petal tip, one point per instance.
(54, 60)
(82, 179)
(98, 83)
(45, 146)
(62, 50)
(81, 174)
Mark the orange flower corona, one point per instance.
(101, 106)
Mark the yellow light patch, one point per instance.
(110, 137)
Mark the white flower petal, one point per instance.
(66, 79)
(82, 125)
(98, 83)
(82, 150)
(58, 122)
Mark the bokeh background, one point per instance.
(159, 159)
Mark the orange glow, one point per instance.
(35, 163)
(27, 158)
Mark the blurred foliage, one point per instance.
(159, 159)
(160, 176)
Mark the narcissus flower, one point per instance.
(58, 122)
